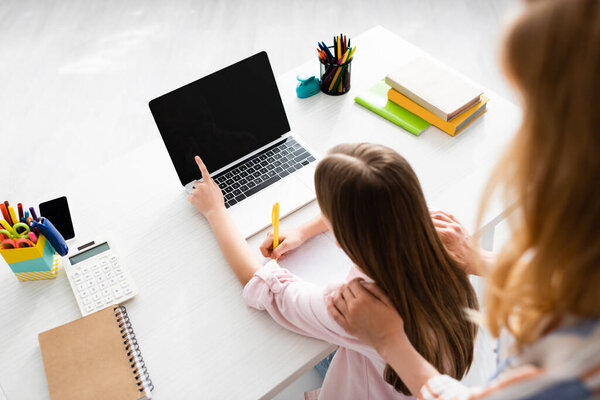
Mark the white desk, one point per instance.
(197, 337)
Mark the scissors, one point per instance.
(20, 238)
(15, 243)
(21, 229)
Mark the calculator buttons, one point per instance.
(99, 282)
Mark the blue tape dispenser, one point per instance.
(52, 235)
(307, 86)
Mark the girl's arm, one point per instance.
(299, 306)
(208, 199)
(292, 238)
(313, 227)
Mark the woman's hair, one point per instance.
(551, 266)
(374, 202)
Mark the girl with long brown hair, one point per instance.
(544, 287)
(371, 200)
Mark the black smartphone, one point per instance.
(57, 211)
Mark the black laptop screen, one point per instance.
(221, 117)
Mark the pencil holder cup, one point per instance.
(335, 78)
(33, 263)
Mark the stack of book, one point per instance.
(436, 94)
(423, 93)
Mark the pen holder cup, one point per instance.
(33, 263)
(335, 78)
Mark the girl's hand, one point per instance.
(207, 196)
(288, 240)
(364, 311)
(457, 240)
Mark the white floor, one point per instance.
(69, 69)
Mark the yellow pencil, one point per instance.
(275, 222)
(351, 53)
(338, 71)
(7, 226)
(340, 87)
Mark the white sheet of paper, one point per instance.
(319, 260)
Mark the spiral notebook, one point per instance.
(95, 357)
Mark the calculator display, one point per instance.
(89, 253)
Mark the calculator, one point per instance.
(98, 277)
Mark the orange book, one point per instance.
(451, 127)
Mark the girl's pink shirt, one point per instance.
(356, 371)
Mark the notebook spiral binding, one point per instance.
(140, 372)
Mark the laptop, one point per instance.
(235, 121)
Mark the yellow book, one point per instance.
(451, 127)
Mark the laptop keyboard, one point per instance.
(262, 170)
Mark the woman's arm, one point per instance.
(364, 311)
(292, 238)
(208, 199)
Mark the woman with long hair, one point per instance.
(544, 286)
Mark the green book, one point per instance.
(376, 100)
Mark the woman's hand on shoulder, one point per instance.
(457, 240)
(364, 311)
(206, 196)
(288, 240)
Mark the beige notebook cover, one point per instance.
(93, 358)
(434, 88)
